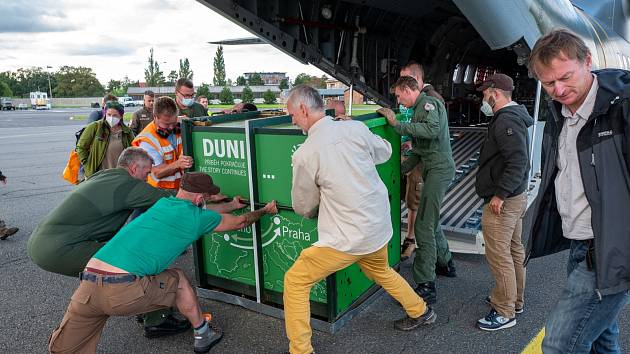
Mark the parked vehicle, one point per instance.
(39, 100)
(22, 106)
(130, 102)
(6, 104)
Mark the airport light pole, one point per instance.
(49, 87)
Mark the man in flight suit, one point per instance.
(431, 146)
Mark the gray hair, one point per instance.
(308, 96)
(132, 155)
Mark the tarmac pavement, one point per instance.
(35, 148)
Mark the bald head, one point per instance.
(338, 106)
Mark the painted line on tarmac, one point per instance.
(25, 135)
(535, 345)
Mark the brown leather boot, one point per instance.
(408, 247)
(6, 232)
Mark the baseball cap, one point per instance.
(199, 182)
(500, 81)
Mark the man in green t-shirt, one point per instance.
(89, 216)
(129, 276)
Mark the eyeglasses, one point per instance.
(192, 95)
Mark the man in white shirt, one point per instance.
(335, 178)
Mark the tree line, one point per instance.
(71, 81)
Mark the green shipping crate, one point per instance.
(226, 260)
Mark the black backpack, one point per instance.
(78, 135)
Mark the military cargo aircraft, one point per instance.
(363, 43)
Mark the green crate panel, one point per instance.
(230, 254)
(224, 157)
(283, 237)
(274, 170)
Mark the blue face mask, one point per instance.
(188, 101)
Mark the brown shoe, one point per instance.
(8, 232)
(408, 247)
(408, 323)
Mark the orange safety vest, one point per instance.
(150, 136)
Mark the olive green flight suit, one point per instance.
(431, 146)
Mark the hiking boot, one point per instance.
(408, 323)
(407, 249)
(494, 322)
(427, 292)
(517, 310)
(447, 271)
(205, 341)
(4, 232)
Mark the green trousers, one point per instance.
(432, 245)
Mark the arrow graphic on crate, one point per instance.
(276, 233)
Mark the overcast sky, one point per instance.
(114, 37)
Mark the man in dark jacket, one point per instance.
(502, 183)
(142, 117)
(584, 195)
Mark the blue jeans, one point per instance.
(583, 321)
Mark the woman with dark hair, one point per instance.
(103, 141)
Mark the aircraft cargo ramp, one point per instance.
(460, 215)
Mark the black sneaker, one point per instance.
(446, 271)
(517, 310)
(427, 292)
(205, 342)
(494, 322)
(171, 325)
(408, 323)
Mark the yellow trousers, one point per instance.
(315, 264)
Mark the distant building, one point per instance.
(357, 97)
(334, 84)
(331, 93)
(269, 78)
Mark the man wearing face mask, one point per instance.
(103, 141)
(162, 140)
(501, 181)
(185, 98)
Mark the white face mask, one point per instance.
(486, 108)
(112, 121)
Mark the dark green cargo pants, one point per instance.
(432, 245)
